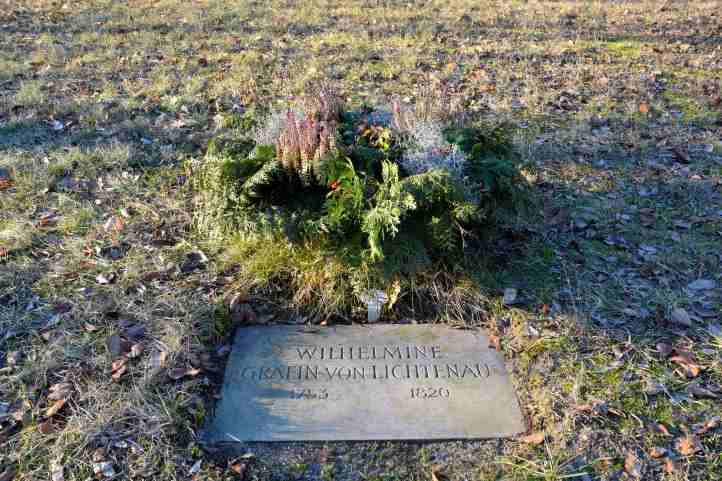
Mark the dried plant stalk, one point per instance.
(435, 102)
(305, 144)
(323, 103)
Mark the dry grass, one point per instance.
(102, 102)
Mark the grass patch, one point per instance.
(691, 110)
(141, 88)
(625, 49)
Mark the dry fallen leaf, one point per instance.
(240, 468)
(48, 220)
(687, 445)
(644, 108)
(436, 474)
(632, 465)
(657, 452)
(181, 372)
(495, 342)
(135, 350)
(670, 466)
(47, 427)
(661, 429)
(118, 368)
(533, 438)
(597, 408)
(691, 368)
(57, 406)
(118, 363)
(113, 224)
(99, 454)
(60, 390)
(712, 423)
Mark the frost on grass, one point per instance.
(427, 149)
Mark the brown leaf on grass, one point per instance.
(47, 427)
(4, 252)
(597, 408)
(657, 452)
(118, 373)
(23, 413)
(114, 224)
(240, 468)
(533, 438)
(181, 372)
(632, 465)
(436, 474)
(135, 350)
(495, 342)
(59, 391)
(5, 183)
(712, 423)
(670, 466)
(55, 408)
(118, 363)
(661, 429)
(48, 220)
(644, 108)
(691, 368)
(688, 445)
(118, 368)
(99, 454)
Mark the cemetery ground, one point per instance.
(604, 296)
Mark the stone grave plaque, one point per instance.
(385, 382)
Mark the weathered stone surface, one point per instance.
(288, 383)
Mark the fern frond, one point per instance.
(267, 174)
(389, 205)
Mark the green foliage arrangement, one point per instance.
(345, 187)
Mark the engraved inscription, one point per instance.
(401, 362)
(364, 382)
(310, 393)
(430, 393)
